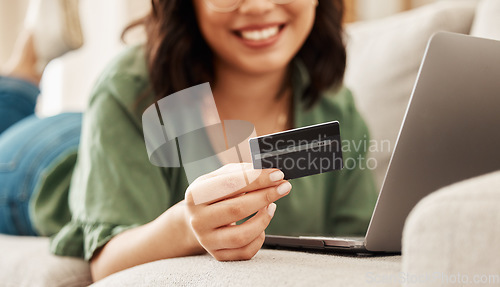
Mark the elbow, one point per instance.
(96, 271)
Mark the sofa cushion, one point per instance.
(451, 237)
(267, 268)
(26, 261)
(383, 60)
(487, 20)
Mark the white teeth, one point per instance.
(258, 35)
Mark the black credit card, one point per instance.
(300, 152)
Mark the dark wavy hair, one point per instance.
(178, 56)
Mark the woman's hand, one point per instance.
(216, 201)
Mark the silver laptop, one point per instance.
(450, 133)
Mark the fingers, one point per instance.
(234, 209)
(217, 200)
(243, 253)
(231, 167)
(236, 236)
(228, 168)
(230, 183)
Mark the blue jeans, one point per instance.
(28, 146)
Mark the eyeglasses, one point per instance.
(224, 6)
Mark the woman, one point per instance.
(278, 64)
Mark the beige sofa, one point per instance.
(451, 235)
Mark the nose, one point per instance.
(256, 6)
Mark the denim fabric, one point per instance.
(28, 146)
(17, 101)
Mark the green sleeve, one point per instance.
(355, 194)
(114, 186)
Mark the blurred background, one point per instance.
(67, 82)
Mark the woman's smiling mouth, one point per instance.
(256, 36)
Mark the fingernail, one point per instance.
(284, 188)
(276, 175)
(271, 208)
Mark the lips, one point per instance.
(259, 34)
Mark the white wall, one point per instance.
(370, 9)
(417, 3)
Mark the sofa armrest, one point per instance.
(26, 261)
(267, 268)
(451, 236)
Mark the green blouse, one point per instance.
(109, 185)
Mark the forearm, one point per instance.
(168, 236)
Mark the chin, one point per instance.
(263, 66)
